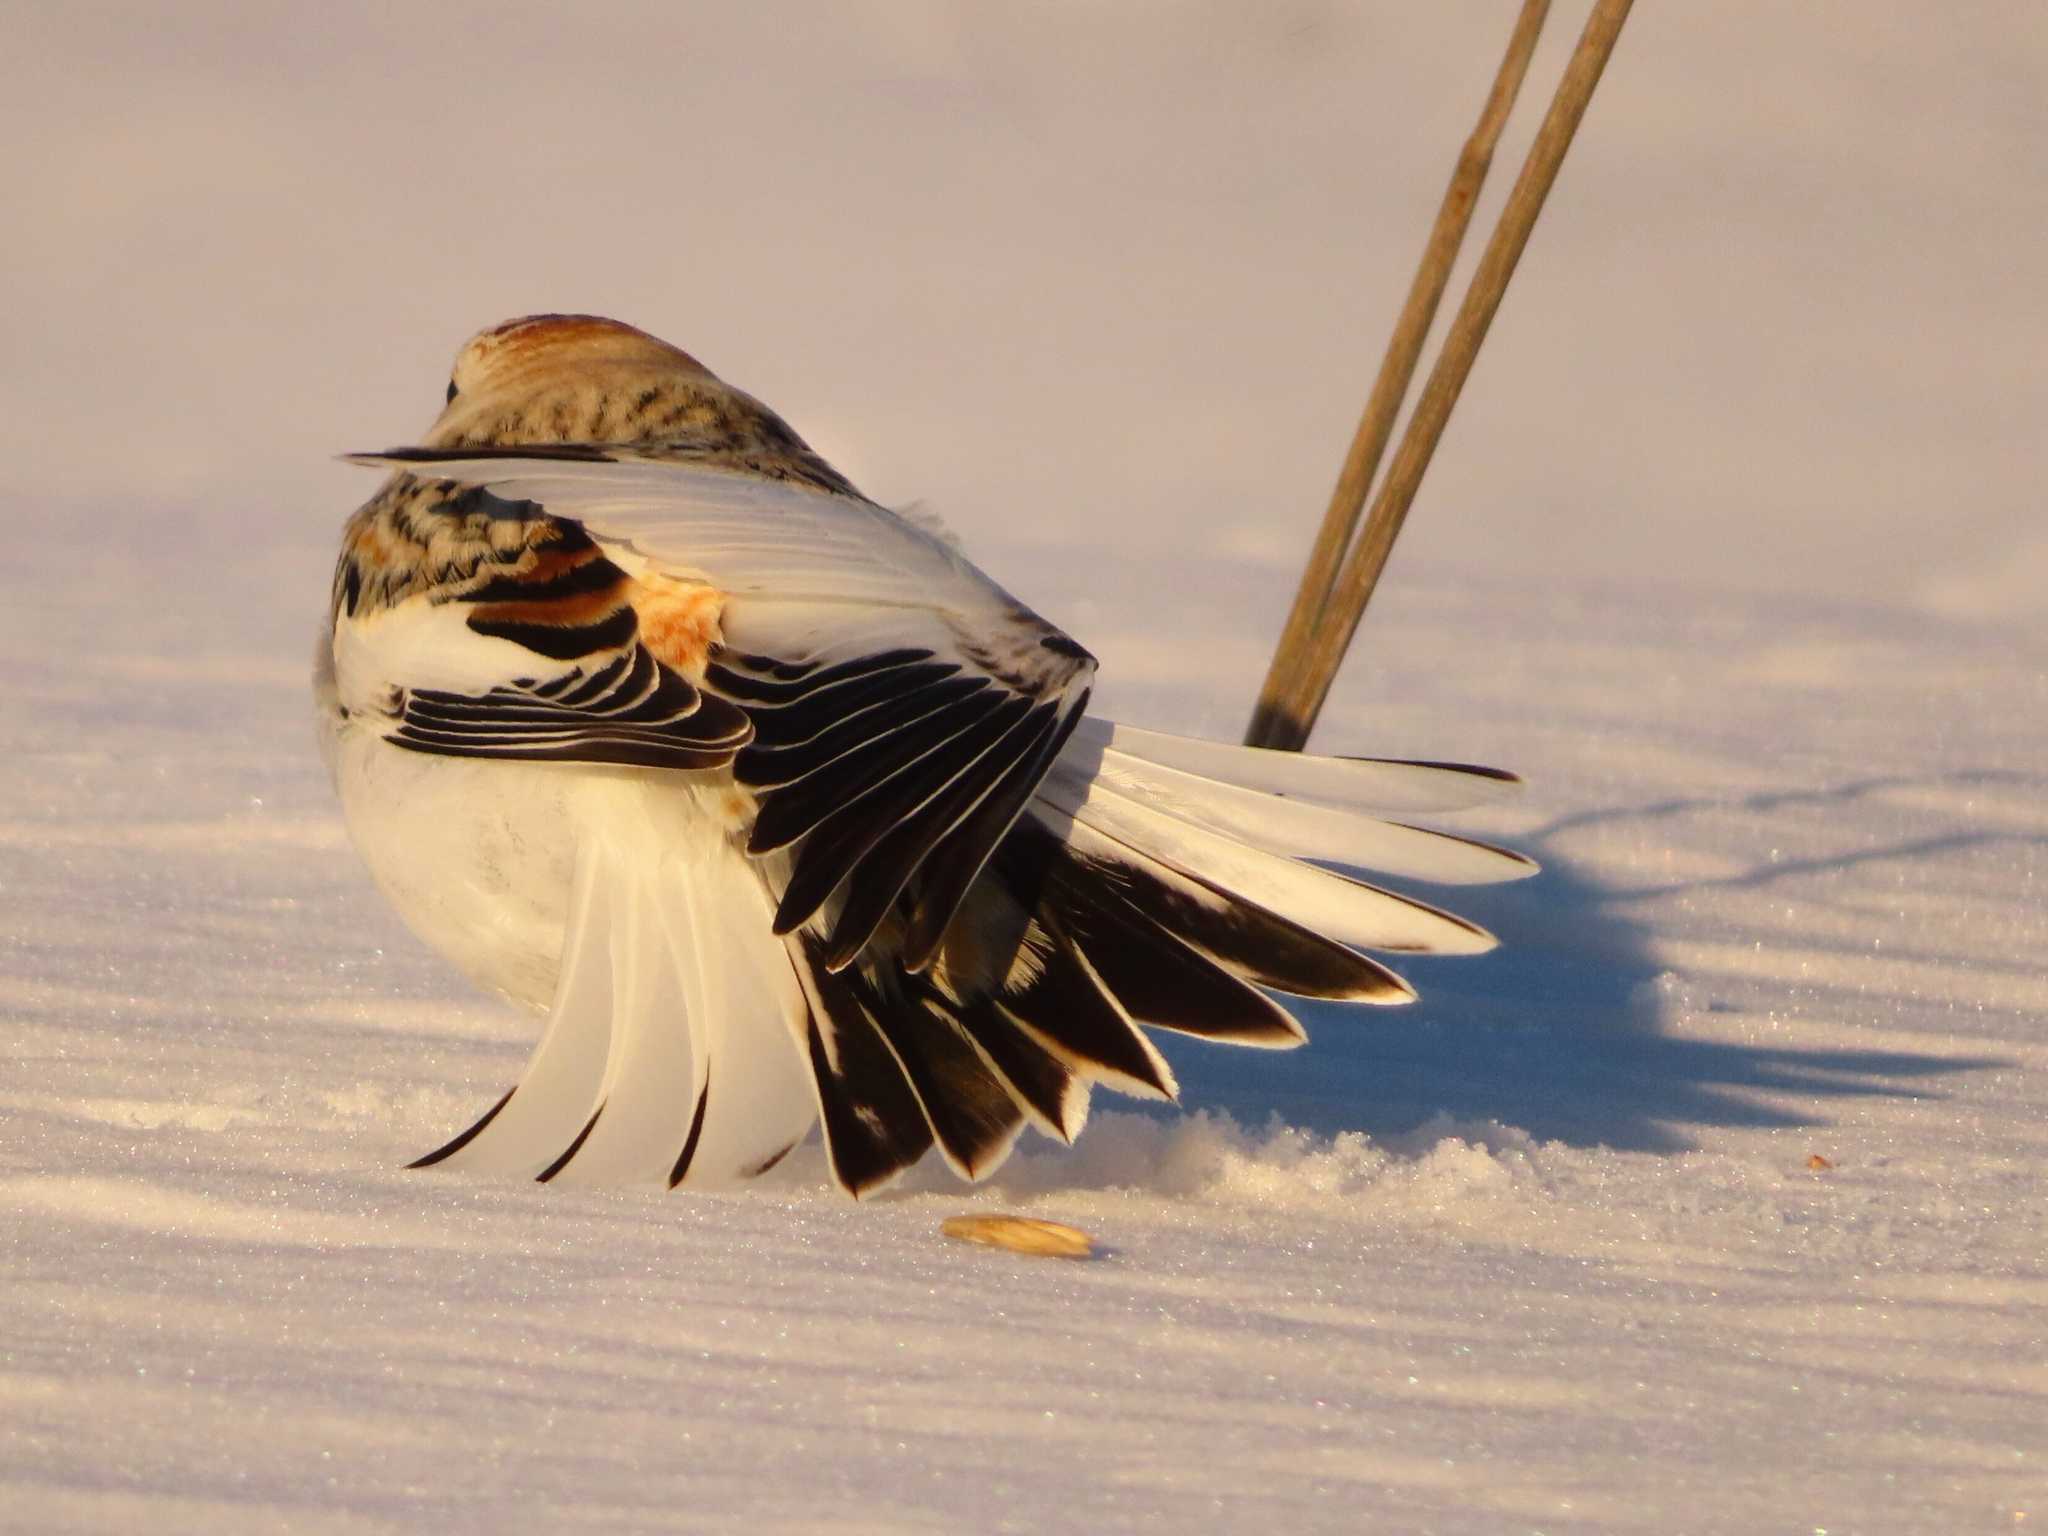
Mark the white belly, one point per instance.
(477, 856)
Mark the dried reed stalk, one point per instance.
(1270, 727)
(1299, 681)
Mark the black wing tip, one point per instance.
(571, 1150)
(448, 1150)
(573, 453)
(771, 1161)
(1524, 865)
(683, 1160)
(1066, 647)
(874, 1128)
(860, 1186)
(1470, 770)
(1389, 989)
(1073, 1014)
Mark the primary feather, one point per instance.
(787, 812)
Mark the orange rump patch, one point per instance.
(679, 621)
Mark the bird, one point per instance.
(787, 815)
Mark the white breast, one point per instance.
(477, 856)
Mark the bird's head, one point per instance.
(570, 378)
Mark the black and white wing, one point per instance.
(961, 911)
(904, 708)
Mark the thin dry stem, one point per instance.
(1303, 690)
(1270, 728)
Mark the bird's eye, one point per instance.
(451, 391)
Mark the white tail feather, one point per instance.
(754, 1020)
(1298, 828)
(1351, 913)
(656, 1067)
(559, 1088)
(673, 994)
(1360, 784)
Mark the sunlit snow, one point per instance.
(1733, 553)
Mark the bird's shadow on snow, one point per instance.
(1571, 1031)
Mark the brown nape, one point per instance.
(552, 379)
(549, 342)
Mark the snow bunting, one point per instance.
(784, 812)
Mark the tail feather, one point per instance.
(704, 1081)
(874, 1125)
(978, 1059)
(526, 1131)
(656, 1060)
(1268, 948)
(974, 1117)
(1134, 923)
(1148, 883)
(1377, 786)
(1347, 910)
(1063, 1003)
(1162, 886)
(1052, 1093)
(673, 1053)
(748, 1014)
(1168, 984)
(1299, 829)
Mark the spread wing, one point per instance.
(903, 707)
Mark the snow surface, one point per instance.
(1546, 1252)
